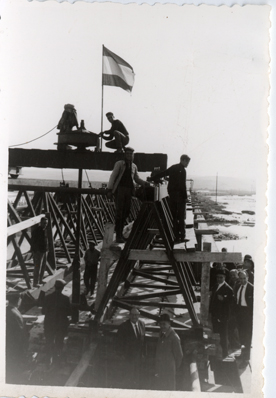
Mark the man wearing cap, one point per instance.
(244, 294)
(178, 194)
(220, 302)
(16, 340)
(130, 344)
(39, 247)
(168, 357)
(122, 185)
(91, 259)
(56, 308)
(117, 134)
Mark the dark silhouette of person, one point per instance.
(130, 345)
(117, 135)
(39, 247)
(56, 308)
(178, 194)
(91, 259)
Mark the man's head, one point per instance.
(59, 285)
(129, 154)
(234, 274)
(134, 314)
(110, 116)
(92, 245)
(243, 277)
(184, 160)
(224, 250)
(220, 276)
(247, 257)
(14, 299)
(248, 265)
(164, 322)
(44, 222)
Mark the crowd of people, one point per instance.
(231, 306)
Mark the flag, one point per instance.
(116, 71)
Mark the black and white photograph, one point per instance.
(135, 179)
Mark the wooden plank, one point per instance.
(14, 229)
(205, 283)
(82, 366)
(73, 159)
(180, 256)
(158, 304)
(206, 231)
(189, 221)
(104, 264)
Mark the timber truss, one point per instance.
(60, 207)
(150, 270)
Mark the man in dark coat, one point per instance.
(16, 340)
(168, 357)
(91, 259)
(117, 135)
(244, 294)
(56, 308)
(178, 194)
(39, 247)
(221, 298)
(130, 344)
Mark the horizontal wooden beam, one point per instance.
(157, 304)
(74, 159)
(15, 185)
(14, 229)
(179, 254)
(206, 232)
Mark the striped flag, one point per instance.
(116, 71)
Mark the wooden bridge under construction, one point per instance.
(149, 271)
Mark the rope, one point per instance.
(88, 179)
(11, 146)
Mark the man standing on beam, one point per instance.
(122, 185)
(178, 194)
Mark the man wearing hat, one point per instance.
(168, 357)
(220, 302)
(178, 194)
(56, 308)
(117, 134)
(122, 185)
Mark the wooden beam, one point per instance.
(81, 367)
(206, 231)
(179, 254)
(205, 283)
(74, 159)
(104, 265)
(158, 304)
(14, 229)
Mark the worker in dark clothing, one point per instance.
(56, 308)
(117, 134)
(178, 194)
(121, 183)
(16, 341)
(91, 259)
(221, 299)
(39, 247)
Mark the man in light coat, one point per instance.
(122, 185)
(168, 357)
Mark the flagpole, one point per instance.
(101, 142)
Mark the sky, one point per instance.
(200, 78)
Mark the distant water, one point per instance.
(234, 203)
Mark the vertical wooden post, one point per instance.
(205, 282)
(104, 265)
(76, 261)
